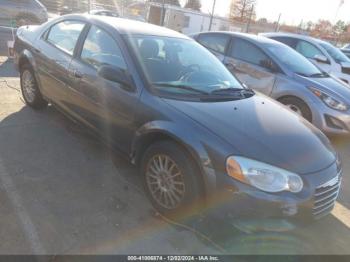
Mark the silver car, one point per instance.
(283, 74)
(22, 12)
(323, 54)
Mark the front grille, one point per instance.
(325, 197)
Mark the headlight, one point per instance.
(263, 176)
(330, 101)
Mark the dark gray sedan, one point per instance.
(172, 108)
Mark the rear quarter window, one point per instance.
(64, 35)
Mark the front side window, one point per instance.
(308, 50)
(180, 66)
(64, 35)
(293, 60)
(247, 52)
(335, 53)
(215, 42)
(101, 49)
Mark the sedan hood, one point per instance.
(260, 128)
(330, 85)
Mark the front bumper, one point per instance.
(240, 201)
(333, 122)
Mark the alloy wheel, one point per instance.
(28, 86)
(295, 109)
(165, 181)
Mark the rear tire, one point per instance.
(30, 90)
(298, 106)
(170, 179)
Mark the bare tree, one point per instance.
(193, 4)
(322, 29)
(241, 10)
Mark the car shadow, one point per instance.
(64, 190)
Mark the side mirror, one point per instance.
(117, 75)
(321, 59)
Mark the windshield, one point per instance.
(181, 66)
(335, 53)
(293, 60)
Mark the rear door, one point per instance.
(106, 106)
(217, 43)
(251, 65)
(54, 52)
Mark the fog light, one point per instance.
(334, 122)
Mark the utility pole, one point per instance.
(212, 15)
(278, 23)
(250, 18)
(163, 13)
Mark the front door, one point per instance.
(311, 51)
(105, 105)
(250, 65)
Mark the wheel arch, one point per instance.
(147, 136)
(26, 57)
(298, 98)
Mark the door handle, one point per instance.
(231, 66)
(38, 51)
(77, 74)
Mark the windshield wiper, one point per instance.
(183, 87)
(302, 74)
(323, 74)
(230, 91)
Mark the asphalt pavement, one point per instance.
(63, 192)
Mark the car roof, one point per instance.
(298, 36)
(259, 39)
(128, 26)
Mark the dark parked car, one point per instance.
(282, 73)
(23, 12)
(168, 104)
(104, 12)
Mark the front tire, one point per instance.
(170, 179)
(30, 90)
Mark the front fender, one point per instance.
(186, 138)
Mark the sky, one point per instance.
(292, 11)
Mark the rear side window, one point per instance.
(101, 49)
(215, 42)
(308, 50)
(286, 40)
(245, 51)
(64, 35)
